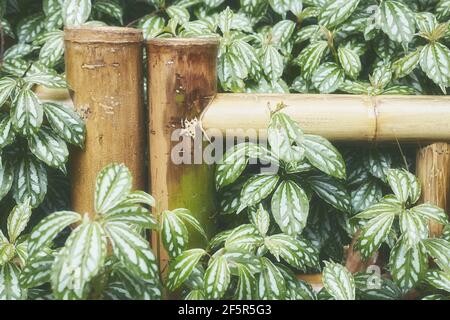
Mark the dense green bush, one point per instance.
(368, 47)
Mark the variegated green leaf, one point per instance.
(186, 216)
(404, 66)
(338, 281)
(324, 156)
(331, 191)
(7, 134)
(397, 21)
(112, 187)
(261, 219)
(7, 252)
(37, 271)
(374, 233)
(413, 227)
(271, 284)
(350, 62)
(366, 195)
(435, 62)
(400, 184)
(272, 63)
(429, 211)
(408, 264)
(10, 288)
(285, 137)
(7, 86)
(328, 77)
(443, 9)
(246, 285)
(79, 261)
(290, 207)
(310, 58)
(48, 228)
(438, 279)
(388, 204)
(232, 165)
(152, 26)
(6, 179)
(256, 189)
(245, 237)
(27, 113)
(76, 12)
(336, 12)
(132, 250)
(53, 49)
(18, 220)
(30, 181)
(439, 250)
(66, 123)
(182, 267)
(217, 278)
(109, 8)
(173, 233)
(139, 197)
(179, 13)
(48, 148)
(133, 215)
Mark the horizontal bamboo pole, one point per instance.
(349, 118)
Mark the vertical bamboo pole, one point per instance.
(104, 71)
(182, 80)
(433, 171)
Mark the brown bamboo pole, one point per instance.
(104, 71)
(346, 118)
(181, 83)
(433, 171)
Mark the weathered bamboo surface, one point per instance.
(337, 117)
(433, 171)
(104, 72)
(182, 81)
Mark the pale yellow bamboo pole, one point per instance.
(104, 72)
(182, 80)
(346, 118)
(433, 171)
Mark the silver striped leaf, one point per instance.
(217, 278)
(350, 62)
(76, 12)
(109, 8)
(53, 49)
(245, 237)
(439, 250)
(331, 191)
(336, 12)
(413, 227)
(374, 233)
(260, 218)
(37, 271)
(246, 286)
(435, 62)
(324, 156)
(6, 179)
(397, 21)
(328, 77)
(310, 58)
(365, 195)
(133, 215)
(132, 250)
(10, 288)
(27, 113)
(271, 283)
(30, 181)
(112, 187)
(66, 123)
(48, 228)
(182, 267)
(174, 234)
(408, 264)
(49, 148)
(81, 258)
(232, 165)
(256, 189)
(404, 66)
(438, 279)
(285, 138)
(7, 252)
(7, 134)
(152, 26)
(290, 207)
(400, 184)
(18, 220)
(386, 204)
(7, 86)
(338, 281)
(432, 212)
(186, 216)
